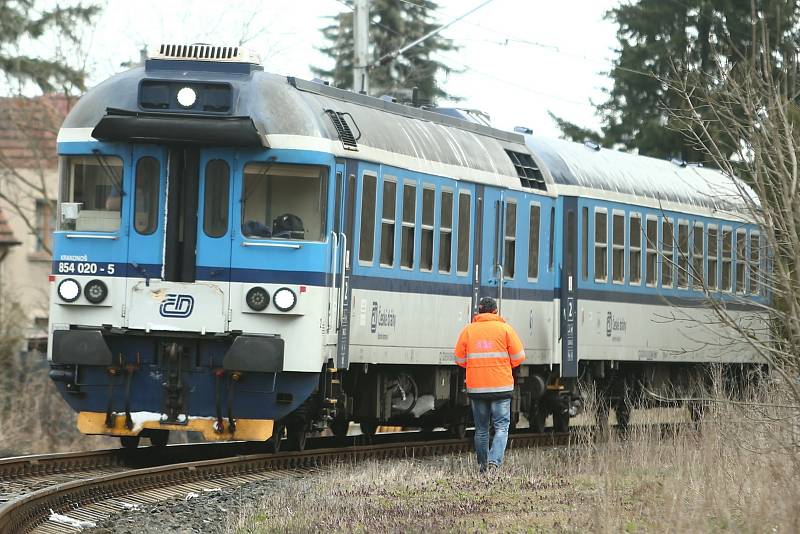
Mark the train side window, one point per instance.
(464, 226)
(388, 221)
(683, 254)
(216, 201)
(145, 218)
(91, 193)
(755, 263)
(635, 249)
(446, 232)
(426, 233)
(533, 243)
(408, 227)
(367, 230)
(282, 201)
(697, 256)
(651, 259)
(584, 243)
(510, 240)
(552, 238)
(618, 248)
(600, 246)
(667, 253)
(727, 253)
(712, 257)
(741, 260)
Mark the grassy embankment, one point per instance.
(740, 474)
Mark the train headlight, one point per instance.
(69, 290)
(95, 291)
(284, 299)
(187, 97)
(257, 298)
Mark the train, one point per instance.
(252, 256)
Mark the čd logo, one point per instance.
(176, 305)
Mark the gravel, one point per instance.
(206, 512)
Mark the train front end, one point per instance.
(189, 288)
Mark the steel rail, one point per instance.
(29, 511)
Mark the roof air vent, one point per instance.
(343, 129)
(591, 145)
(204, 52)
(530, 175)
(523, 130)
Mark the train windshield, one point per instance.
(91, 193)
(284, 201)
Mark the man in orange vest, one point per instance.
(488, 349)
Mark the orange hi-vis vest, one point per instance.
(489, 348)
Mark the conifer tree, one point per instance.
(393, 24)
(660, 40)
(23, 21)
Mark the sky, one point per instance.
(520, 59)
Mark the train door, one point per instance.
(568, 292)
(500, 240)
(344, 220)
(146, 235)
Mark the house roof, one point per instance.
(28, 130)
(7, 238)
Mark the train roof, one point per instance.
(276, 108)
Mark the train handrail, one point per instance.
(334, 262)
(340, 311)
(500, 281)
(276, 245)
(91, 236)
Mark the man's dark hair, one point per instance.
(487, 305)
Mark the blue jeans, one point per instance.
(498, 413)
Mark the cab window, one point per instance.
(284, 201)
(91, 193)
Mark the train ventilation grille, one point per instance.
(204, 52)
(349, 141)
(530, 175)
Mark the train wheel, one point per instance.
(159, 438)
(129, 442)
(696, 411)
(296, 435)
(601, 412)
(623, 412)
(368, 428)
(274, 443)
(537, 417)
(561, 420)
(340, 427)
(458, 430)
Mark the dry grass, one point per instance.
(734, 476)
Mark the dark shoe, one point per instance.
(492, 468)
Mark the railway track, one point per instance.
(85, 487)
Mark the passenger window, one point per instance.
(215, 209)
(533, 243)
(683, 255)
(285, 201)
(741, 260)
(367, 229)
(635, 250)
(697, 257)
(446, 232)
(409, 223)
(426, 236)
(148, 180)
(667, 253)
(510, 240)
(651, 261)
(600, 246)
(727, 252)
(755, 263)
(464, 225)
(585, 243)
(91, 193)
(388, 222)
(712, 258)
(618, 248)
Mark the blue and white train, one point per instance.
(245, 255)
